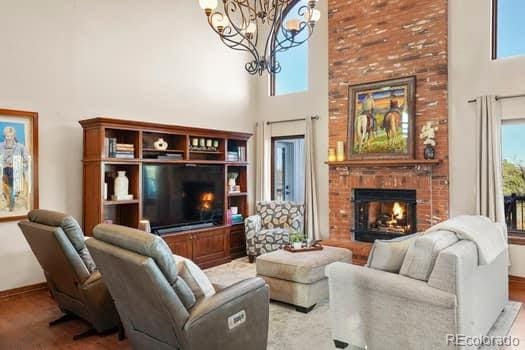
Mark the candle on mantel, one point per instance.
(340, 151)
(331, 155)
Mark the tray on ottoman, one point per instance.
(315, 246)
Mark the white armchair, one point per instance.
(382, 310)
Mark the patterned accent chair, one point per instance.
(270, 229)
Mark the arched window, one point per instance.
(293, 77)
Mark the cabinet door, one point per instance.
(180, 244)
(211, 247)
(237, 241)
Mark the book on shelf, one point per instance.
(233, 156)
(112, 149)
(241, 150)
(237, 156)
(237, 219)
(120, 155)
(229, 217)
(110, 145)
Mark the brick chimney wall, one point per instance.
(374, 40)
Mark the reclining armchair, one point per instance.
(163, 306)
(57, 241)
(270, 228)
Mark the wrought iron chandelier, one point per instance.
(243, 24)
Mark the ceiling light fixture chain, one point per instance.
(241, 25)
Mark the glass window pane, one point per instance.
(514, 174)
(510, 31)
(293, 77)
(288, 169)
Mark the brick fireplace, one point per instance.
(374, 40)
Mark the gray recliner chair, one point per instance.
(158, 308)
(57, 241)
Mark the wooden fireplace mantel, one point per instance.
(386, 163)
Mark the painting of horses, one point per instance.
(381, 119)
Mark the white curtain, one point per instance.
(311, 223)
(489, 194)
(263, 139)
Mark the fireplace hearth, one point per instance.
(383, 213)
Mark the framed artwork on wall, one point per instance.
(381, 119)
(18, 164)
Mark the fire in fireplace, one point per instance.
(383, 214)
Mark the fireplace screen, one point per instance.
(384, 214)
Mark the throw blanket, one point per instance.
(489, 237)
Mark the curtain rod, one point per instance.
(316, 117)
(501, 97)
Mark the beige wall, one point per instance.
(68, 59)
(472, 73)
(146, 60)
(300, 105)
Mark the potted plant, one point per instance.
(297, 240)
(428, 133)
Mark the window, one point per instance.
(288, 168)
(514, 175)
(508, 30)
(293, 77)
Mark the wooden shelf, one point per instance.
(164, 161)
(387, 162)
(237, 194)
(231, 163)
(206, 247)
(197, 161)
(153, 150)
(131, 201)
(120, 161)
(206, 152)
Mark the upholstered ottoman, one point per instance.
(298, 278)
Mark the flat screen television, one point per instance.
(180, 195)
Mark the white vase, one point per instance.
(121, 186)
(160, 145)
(297, 245)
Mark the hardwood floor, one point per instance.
(24, 325)
(518, 329)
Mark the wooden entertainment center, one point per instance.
(206, 247)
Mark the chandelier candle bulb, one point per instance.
(312, 16)
(208, 5)
(251, 28)
(220, 21)
(293, 25)
(312, 3)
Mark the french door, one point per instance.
(288, 168)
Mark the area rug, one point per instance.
(292, 330)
